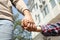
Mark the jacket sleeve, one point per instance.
(20, 5)
(51, 29)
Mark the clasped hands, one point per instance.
(28, 24)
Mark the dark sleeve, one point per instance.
(12, 3)
(51, 29)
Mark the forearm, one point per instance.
(20, 5)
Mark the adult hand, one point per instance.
(27, 21)
(30, 26)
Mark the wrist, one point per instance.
(26, 12)
(39, 29)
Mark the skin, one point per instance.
(28, 24)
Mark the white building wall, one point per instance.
(52, 17)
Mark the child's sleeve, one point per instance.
(51, 29)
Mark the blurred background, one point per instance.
(43, 12)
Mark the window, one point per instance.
(31, 8)
(40, 6)
(36, 5)
(58, 1)
(32, 2)
(52, 3)
(40, 1)
(45, 11)
(37, 18)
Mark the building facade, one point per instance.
(44, 12)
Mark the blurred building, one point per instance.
(43, 12)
